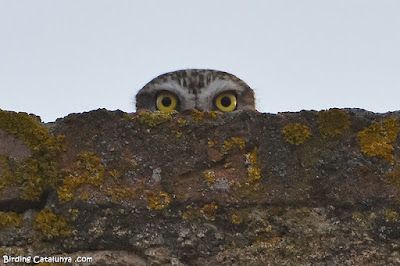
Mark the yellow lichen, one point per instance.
(197, 115)
(114, 173)
(153, 119)
(118, 194)
(38, 172)
(234, 143)
(376, 139)
(296, 134)
(88, 171)
(212, 143)
(332, 122)
(236, 219)
(358, 217)
(51, 225)
(209, 211)
(191, 213)
(181, 122)
(158, 201)
(209, 176)
(253, 169)
(10, 219)
(392, 216)
(178, 134)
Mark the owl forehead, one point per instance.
(194, 81)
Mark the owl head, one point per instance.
(201, 89)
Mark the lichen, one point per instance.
(114, 173)
(209, 211)
(199, 116)
(253, 169)
(153, 119)
(376, 139)
(209, 176)
(51, 225)
(123, 193)
(158, 201)
(393, 177)
(191, 213)
(296, 134)
(39, 172)
(236, 219)
(234, 143)
(358, 217)
(181, 122)
(391, 216)
(88, 171)
(332, 122)
(10, 219)
(212, 143)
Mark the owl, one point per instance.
(200, 89)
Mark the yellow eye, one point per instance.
(166, 102)
(226, 102)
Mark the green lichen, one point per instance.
(153, 119)
(333, 122)
(88, 171)
(51, 225)
(253, 169)
(234, 143)
(158, 201)
(376, 139)
(39, 172)
(10, 219)
(296, 134)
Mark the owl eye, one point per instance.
(226, 102)
(166, 102)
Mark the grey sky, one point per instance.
(61, 57)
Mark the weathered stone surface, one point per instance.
(240, 188)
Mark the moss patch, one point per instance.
(10, 219)
(296, 134)
(376, 139)
(332, 122)
(38, 172)
(50, 225)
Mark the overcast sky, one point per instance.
(61, 57)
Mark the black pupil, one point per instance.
(226, 101)
(166, 101)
